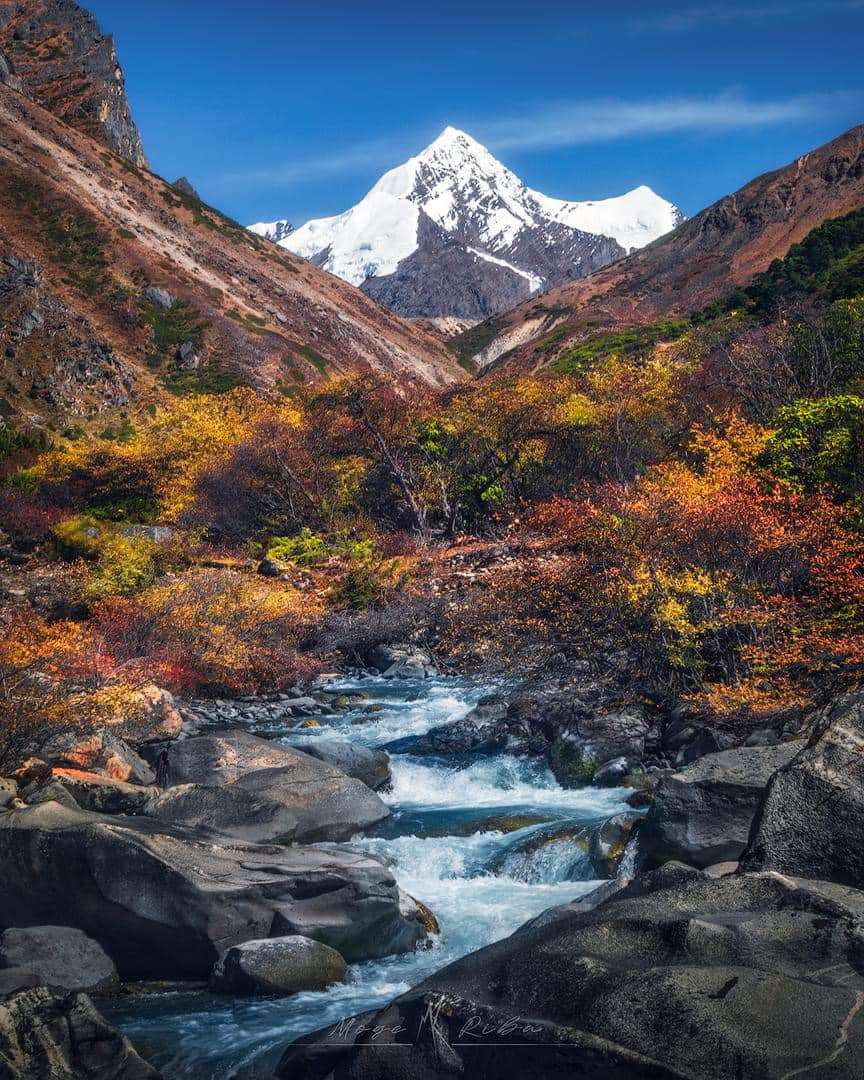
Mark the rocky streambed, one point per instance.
(485, 841)
(405, 875)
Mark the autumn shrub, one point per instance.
(354, 632)
(55, 678)
(125, 565)
(25, 517)
(212, 630)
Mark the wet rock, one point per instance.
(811, 822)
(282, 965)
(269, 568)
(613, 773)
(361, 762)
(458, 737)
(609, 842)
(62, 957)
(45, 1035)
(703, 814)
(676, 974)
(165, 903)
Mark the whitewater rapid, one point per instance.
(487, 844)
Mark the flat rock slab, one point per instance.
(61, 956)
(677, 975)
(165, 903)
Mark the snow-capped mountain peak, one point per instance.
(511, 240)
(272, 230)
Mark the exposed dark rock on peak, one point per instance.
(55, 51)
(183, 185)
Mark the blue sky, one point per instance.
(279, 109)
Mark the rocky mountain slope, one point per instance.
(54, 51)
(722, 247)
(118, 288)
(452, 232)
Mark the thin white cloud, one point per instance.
(556, 125)
(695, 18)
(580, 122)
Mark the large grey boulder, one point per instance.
(229, 810)
(676, 975)
(326, 803)
(49, 1036)
(62, 957)
(703, 814)
(811, 822)
(165, 902)
(402, 661)
(222, 757)
(283, 965)
(582, 749)
(361, 762)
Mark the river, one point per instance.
(485, 844)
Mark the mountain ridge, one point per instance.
(709, 255)
(118, 290)
(452, 232)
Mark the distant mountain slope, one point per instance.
(117, 288)
(452, 232)
(722, 247)
(55, 51)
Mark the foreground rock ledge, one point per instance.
(46, 1036)
(165, 904)
(677, 975)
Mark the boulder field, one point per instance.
(739, 956)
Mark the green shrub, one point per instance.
(79, 537)
(304, 549)
(820, 444)
(126, 565)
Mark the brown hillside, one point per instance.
(722, 247)
(84, 233)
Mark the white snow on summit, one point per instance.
(459, 185)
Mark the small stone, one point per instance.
(282, 965)
(160, 298)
